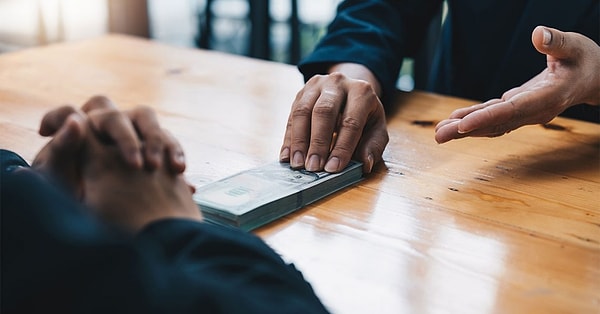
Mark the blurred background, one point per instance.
(277, 30)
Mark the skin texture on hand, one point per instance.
(121, 164)
(132, 197)
(570, 78)
(335, 118)
(136, 133)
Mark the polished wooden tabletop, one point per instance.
(503, 225)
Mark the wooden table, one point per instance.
(504, 225)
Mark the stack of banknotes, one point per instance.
(255, 197)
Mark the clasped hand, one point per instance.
(120, 164)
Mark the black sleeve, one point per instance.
(377, 34)
(57, 258)
(241, 272)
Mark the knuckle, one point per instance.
(336, 77)
(98, 102)
(301, 111)
(106, 115)
(363, 87)
(343, 150)
(299, 143)
(330, 94)
(106, 119)
(112, 113)
(100, 99)
(319, 79)
(352, 124)
(562, 42)
(318, 142)
(315, 78)
(144, 115)
(325, 108)
(66, 109)
(300, 94)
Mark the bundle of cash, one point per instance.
(254, 197)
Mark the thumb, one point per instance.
(370, 148)
(70, 136)
(555, 43)
(54, 120)
(66, 141)
(59, 157)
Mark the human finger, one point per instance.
(537, 105)
(462, 112)
(284, 152)
(444, 122)
(558, 44)
(174, 151)
(362, 103)
(575, 54)
(67, 140)
(511, 92)
(117, 128)
(493, 115)
(54, 120)
(148, 130)
(191, 187)
(60, 156)
(98, 102)
(372, 144)
(324, 120)
(301, 116)
(448, 131)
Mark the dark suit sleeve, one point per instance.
(241, 272)
(57, 258)
(377, 34)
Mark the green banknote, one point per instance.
(254, 197)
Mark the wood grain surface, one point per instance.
(503, 225)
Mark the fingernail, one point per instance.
(332, 164)
(314, 163)
(298, 160)
(462, 130)
(547, 37)
(284, 155)
(370, 163)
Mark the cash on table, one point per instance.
(255, 197)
